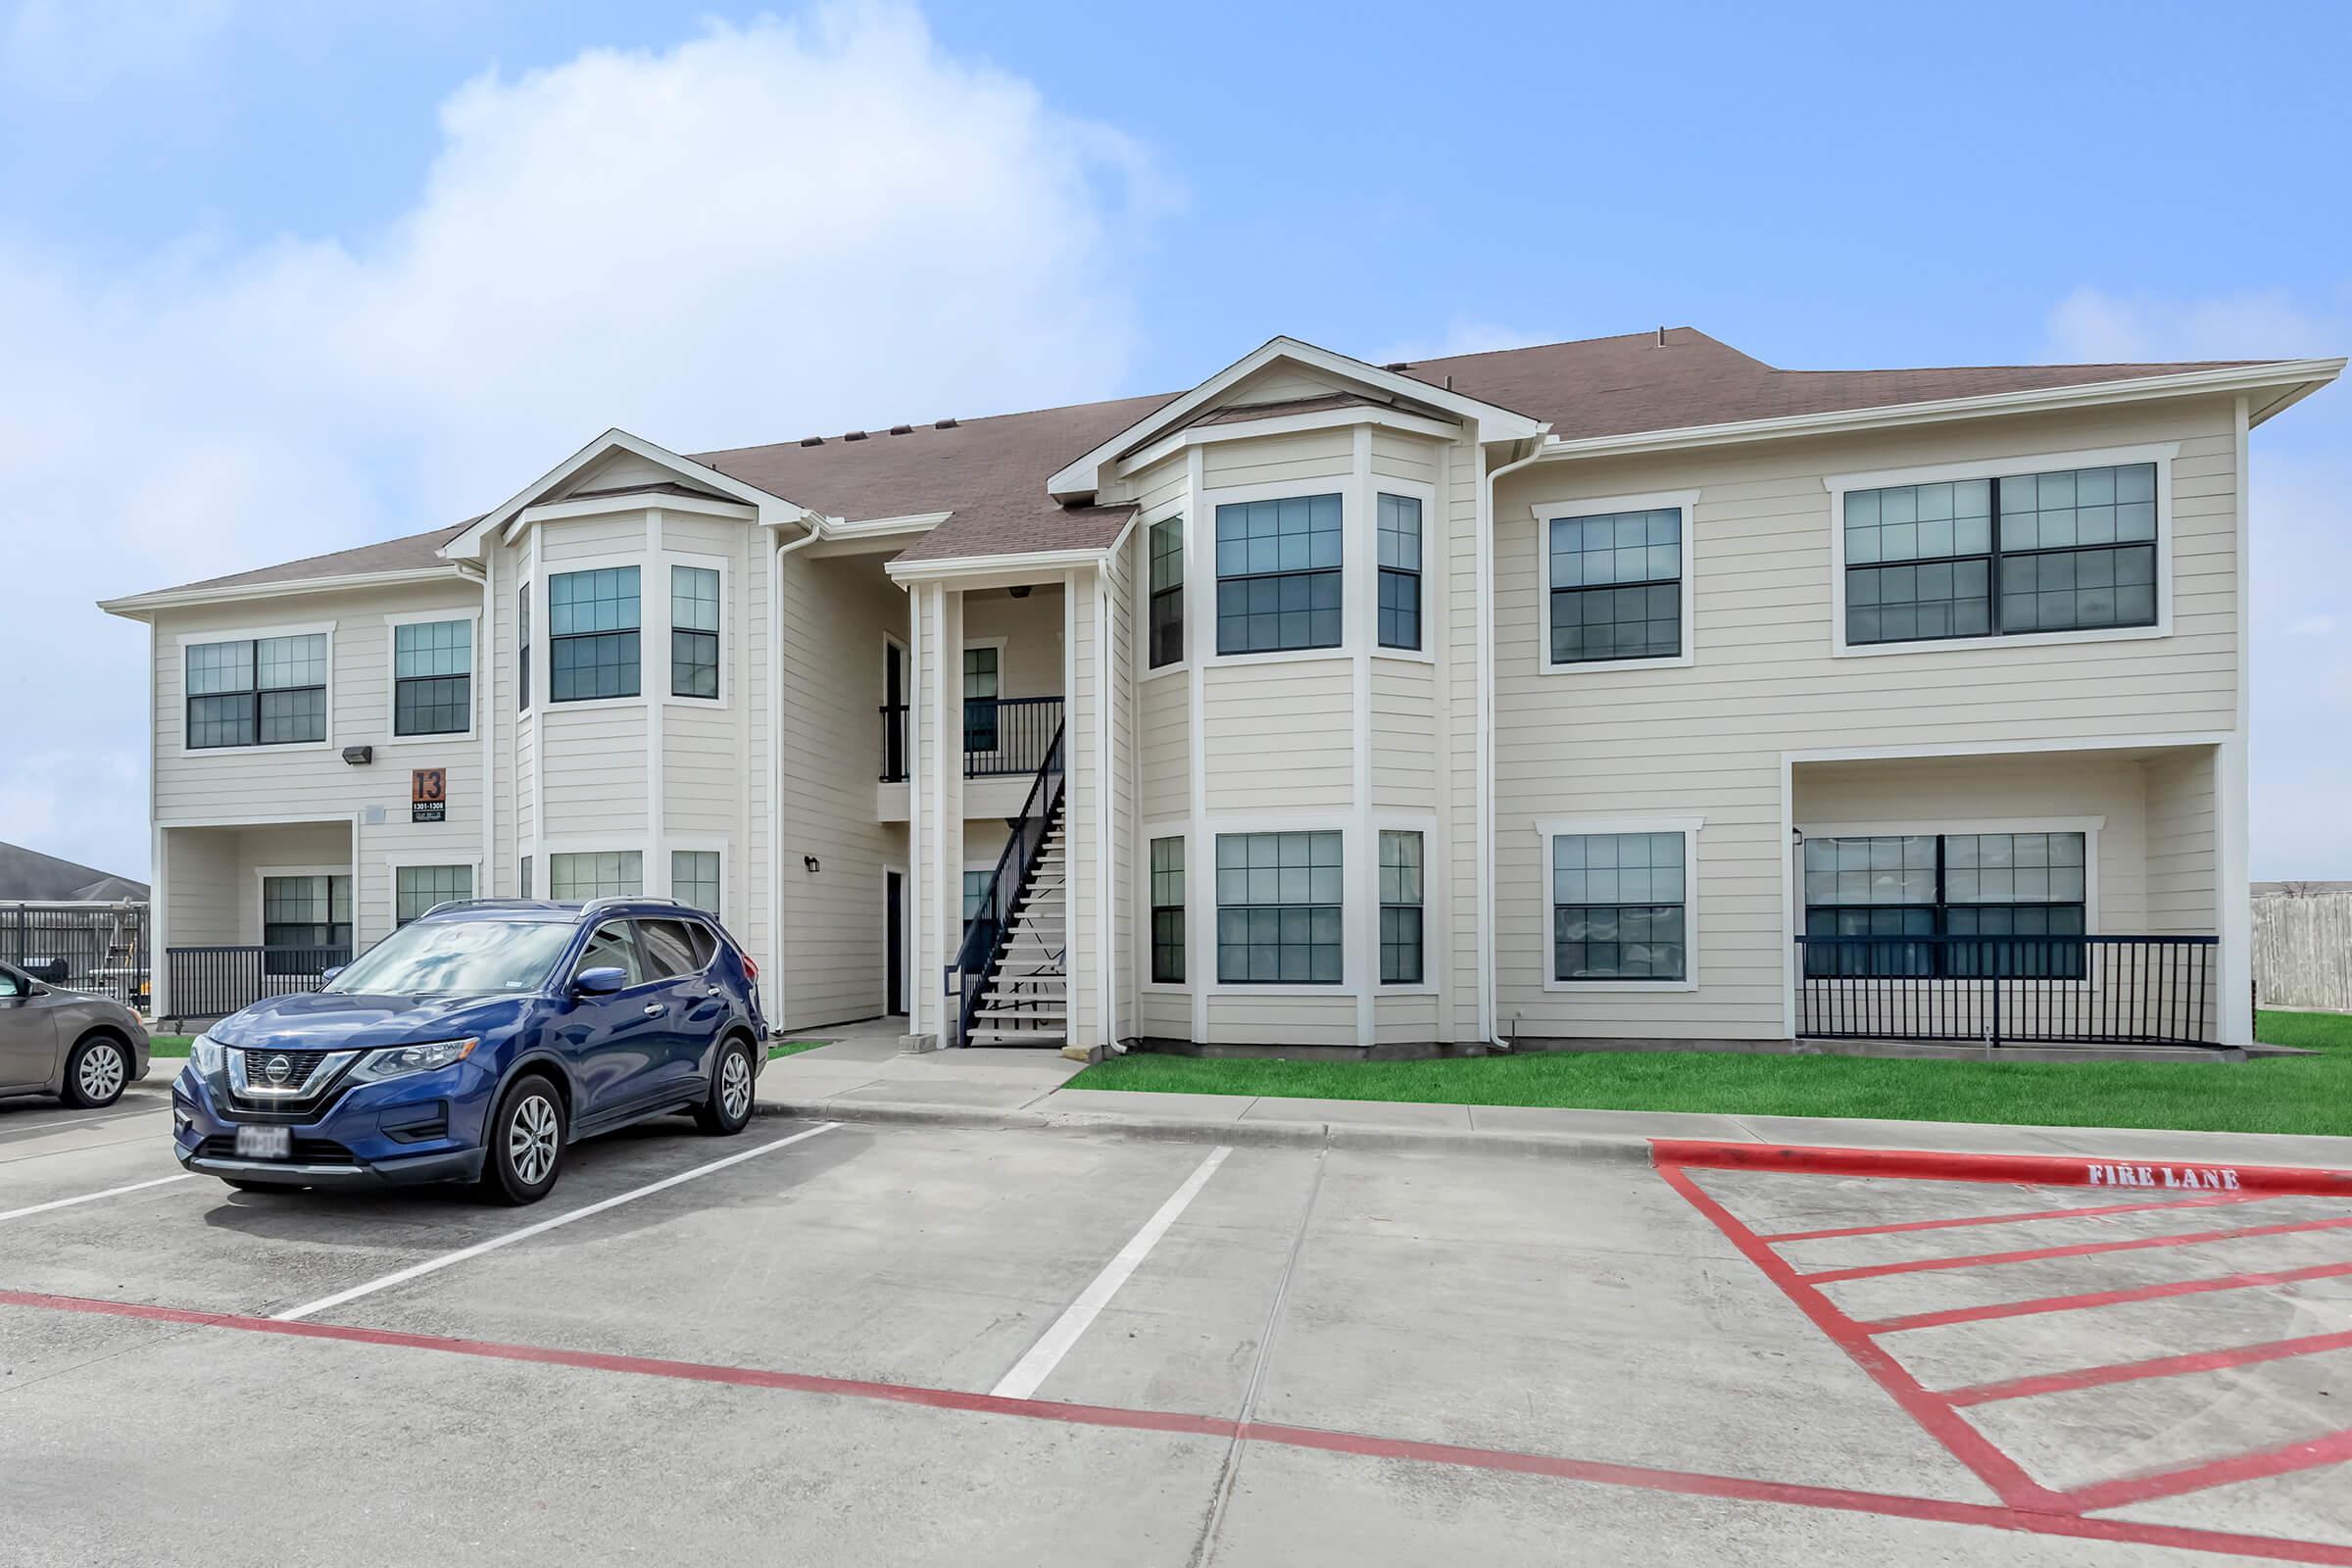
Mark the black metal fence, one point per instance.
(215, 982)
(2009, 990)
(1003, 737)
(82, 947)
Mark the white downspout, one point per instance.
(486, 716)
(775, 764)
(1485, 736)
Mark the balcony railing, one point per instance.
(2009, 990)
(1003, 737)
(215, 982)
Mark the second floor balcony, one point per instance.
(1003, 737)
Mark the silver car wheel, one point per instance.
(101, 1070)
(735, 1085)
(531, 1140)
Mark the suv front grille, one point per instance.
(307, 1151)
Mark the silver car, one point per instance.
(83, 1047)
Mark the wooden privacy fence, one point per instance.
(2303, 950)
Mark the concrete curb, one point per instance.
(1626, 1151)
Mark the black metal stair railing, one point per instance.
(990, 926)
(1003, 737)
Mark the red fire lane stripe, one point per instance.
(1596, 1472)
(2333, 1449)
(2201, 1201)
(2042, 1170)
(2122, 1297)
(2130, 1244)
(2163, 1366)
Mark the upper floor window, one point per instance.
(1167, 592)
(1278, 574)
(983, 684)
(432, 677)
(592, 619)
(522, 651)
(1400, 571)
(261, 691)
(596, 874)
(693, 631)
(1615, 586)
(2072, 549)
(1279, 902)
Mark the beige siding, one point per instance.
(1278, 460)
(1404, 735)
(2183, 843)
(1706, 740)
(1086, 813)
(1282, 1020)
(1168, 1015)
(1118, 597)
(1453, 582)
(1404, 1020)
(1164, 726)
(1279, 736)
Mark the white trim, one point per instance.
(1350, 987)
(1347, 485)
(728, 652)
(1360, 414)
(2304, 375)
(1045, 564)
(483, 688)
(1083, 477)
(1106, 971)
(626, 501)
(1141, 591)
(718, 843)
(767, 506)
(1376, 485)
(202, 639)
(1547, 513)
(544, 635)
(1148, 833)
(882, 528)
(1200, 930)
(395, 861)
(1424, 823)
(2089, 826)
(1488, 980)
(138, 606)
(654, 649)
(1573, 826)
(2234, 914)
(474, 678)
(257, 914)
(2160, 453)
(1360, 619)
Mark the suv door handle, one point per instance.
(655, 1009)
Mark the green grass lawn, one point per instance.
(2275, 1094)
(793, 1048)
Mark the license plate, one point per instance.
(265, 1143)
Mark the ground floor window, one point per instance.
(1921, 900)
(417, 888)
(596, 874)
(524, 878)
(694, 879)
(303, 919)
(1400, 908)
(1279, 902)
(1167, 912)
(975, 895)
(1620, 906)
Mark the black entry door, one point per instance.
(894, 703)
(894, 916)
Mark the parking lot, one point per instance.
(893, 1344)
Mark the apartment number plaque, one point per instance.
(428, 794)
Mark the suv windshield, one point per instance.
(436, 956)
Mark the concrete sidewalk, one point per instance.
(861, 1076)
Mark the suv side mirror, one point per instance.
(602, 981)
(326, 976)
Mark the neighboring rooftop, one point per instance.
(28, 876)
(990, 473)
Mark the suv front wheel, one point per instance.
(525, 1138)
(728, 1109)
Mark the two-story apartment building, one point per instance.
(1620, 689)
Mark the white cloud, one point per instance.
(768, 230)
(1462, 335)
(2302, 681)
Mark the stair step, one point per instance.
(1052, 1016)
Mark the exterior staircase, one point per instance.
(1025, 999)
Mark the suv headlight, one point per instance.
(205, 1055)
(397, 1061)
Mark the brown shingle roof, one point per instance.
(990, 473)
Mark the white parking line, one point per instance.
(433, 1264)
(1047, 1354)
(92, 1197)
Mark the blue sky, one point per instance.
(291, 278)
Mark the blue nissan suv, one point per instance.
(475, 1043)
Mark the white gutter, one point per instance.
(775, 762)
(137, 605)
(1485, 736)
(486, 718)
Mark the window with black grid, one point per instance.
(1167, 912)
(1620, 906)
(1167, 592)
(596, 874)
(1278, 574)
(1400, 571)
(523, 649)
(983, 684)
(1890, 887)
(308, 914)
(593, 624)
(693, 631)
(1616, 585)
(1279, 902)
(694, 879)
(2068, 550)
(432, 677)
(1400, 908)
(267, 690)
(417, 888)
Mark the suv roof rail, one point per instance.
(482, 904)
(594, 904)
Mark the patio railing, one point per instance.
(215, 982)
(2009, 990)
(1003, 737)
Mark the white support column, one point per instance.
(2233, 902)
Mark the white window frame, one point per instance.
(543, 872)
(1353, 890)
(1571, 827)
(259, 915)
(649, 641)
(2089, 826)
(1374, 486)
(1201, 531)
(1142, 613)
(1596, 505)
(473, 708)
(699, 844)
(1425, 824)
(998, 643)
(395, 859)
(1173, 827)
(727, 617)
(191, 639)
(2160, 453)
